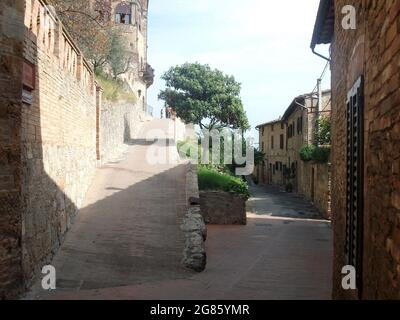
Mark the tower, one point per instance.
(129, 18)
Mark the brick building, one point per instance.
(366, 146)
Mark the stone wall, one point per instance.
(372, 50)
(120, 123)
(193, 225)
(315, 184)
(223, 208)
(51, 143)
(11, 57)
(58, 135)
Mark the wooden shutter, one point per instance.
(355, 173)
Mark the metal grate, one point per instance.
(355, 154)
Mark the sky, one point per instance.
(264, 44)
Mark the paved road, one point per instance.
(129, 230)
(272, 257)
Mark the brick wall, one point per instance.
(58, 136)
(372, 50)
(11, 55)
(49, 146)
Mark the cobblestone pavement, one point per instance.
(271, 258)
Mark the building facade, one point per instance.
(130, 20)
(272, 137)
(281, 142)
(365, 59)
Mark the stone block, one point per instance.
(218, 207)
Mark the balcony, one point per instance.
(147, 75)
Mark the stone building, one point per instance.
(129, 18)
(272, 137)
(53, 133)
(365, 55)
(300, 117)
(281, 142)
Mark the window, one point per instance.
(282, 126)
(290, 131)
(272, 128)
(300, 125)
(123, 13)
(355, 183)
(282, 142)
(263, 131)
(277, 166)
(272, 142)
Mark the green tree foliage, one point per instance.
(258, 157)
(87, 27)
(306, 152)
(90, 26)
(314, 153)
(118, 57)
(204, 96)
(323, 134)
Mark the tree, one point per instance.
(88, 26)
(204, 96)
(118, 57)
(323, 134)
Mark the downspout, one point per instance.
(318, 54)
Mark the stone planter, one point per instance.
(223, 208)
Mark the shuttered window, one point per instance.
(355, 154)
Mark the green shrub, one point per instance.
(211, 179)
(306, 152)
(321, 154)
(187, 149)
(313, 153)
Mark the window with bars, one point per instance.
(355, 189)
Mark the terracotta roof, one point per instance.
(324, 24)
(269, 123)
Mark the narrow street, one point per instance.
(133, 251)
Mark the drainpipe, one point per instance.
(318, 109)
(318, 54)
